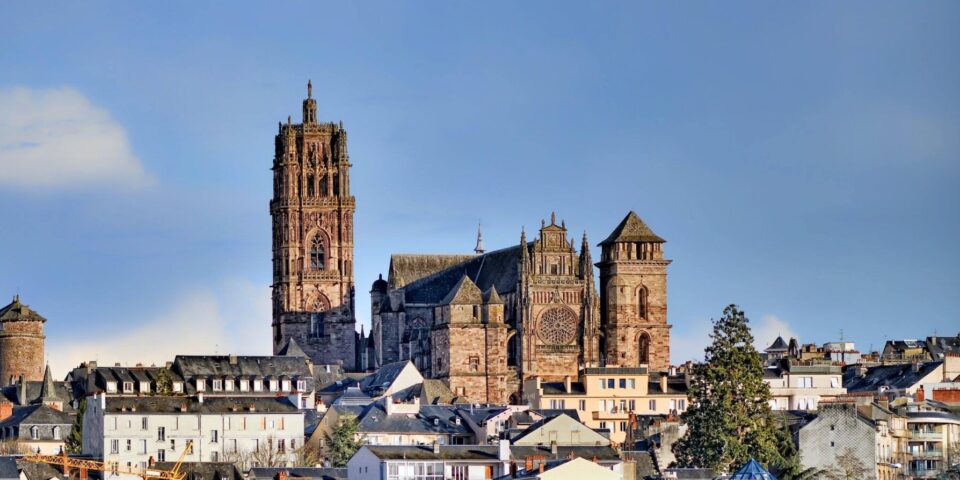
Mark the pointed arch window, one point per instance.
(642, 302)
(310, 185)
(644, 350)
(318, 255)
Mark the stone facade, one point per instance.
(482, 323)
(312, 210)
(21, 343)
(633, 297)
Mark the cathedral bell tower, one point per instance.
(633, 297)
(312, 210)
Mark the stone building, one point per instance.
(312, 210)
(484, 322)
(21, 343)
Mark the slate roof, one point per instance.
(778, 346)
(64, 393)
(407, 268)
(498, 269)
(38, 471)
(263, 473)
(432, 419)
(205, 470)
(80, 378)
(937, 346)
(292, 349)
(353, 396)
(480, 415)
(227, 365)
(8, 468)
(559, 388)
(675, 386)
(898, 376)
(160, 404)
(19, 312)
(632, 229)
(430, 392)
(465, 292)
(36, 415)
(488, 452)
(383, 377)
(540, 423)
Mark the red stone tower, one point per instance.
(633, 297)
(312, 210)
(21, 343)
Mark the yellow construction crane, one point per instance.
(83, 466)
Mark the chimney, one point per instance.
(663, 382)
(436, 448)
(528, 464)
(503, 450)
(233, 361)
(200, 398)
(537, 380)
(916, 366)
(22, 397)
(6, 410)
(553, 448)
(542, 463)
(566, 383)
(282, 475)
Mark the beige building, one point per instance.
(604, 398)
(796, 386)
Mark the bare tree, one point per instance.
(12, 446)
(306, 456)
(847, 467)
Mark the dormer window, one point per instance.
(301, 385)
(217, 385)
(127, 387)
(111, 387)
(258, 385)
(273, 385)
(228, 385)
(144, 387)
(285, 385)
(244, 385)
(177, 387)
(201, 385)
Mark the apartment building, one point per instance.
(604, 398)
(135, 431)
(796, 385)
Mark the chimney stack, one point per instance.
(436, 448)
(6, 410)
(566, 383)
(553, 448)
(663, 382)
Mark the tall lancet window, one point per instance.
(318, 258)
(644, 355)
(642, 302)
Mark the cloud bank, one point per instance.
(57, 138)
(232, 319)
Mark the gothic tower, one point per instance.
(21, 343)
(312, 210)
(633, 297)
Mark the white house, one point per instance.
(134, 431)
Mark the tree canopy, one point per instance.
(343, 441)
(729, 419)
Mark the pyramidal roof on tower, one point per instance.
(48, 390)
(465, 292)
(632, 229)
(18, 312)
(492, 297)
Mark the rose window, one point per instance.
(558, 326)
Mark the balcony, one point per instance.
(927, 454)
(924, 472)
(926, 435)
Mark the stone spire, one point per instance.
(479, 248)
(309, 106)
(586, 261)
(523, 248)
(48, 391)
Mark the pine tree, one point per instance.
(164, 382)
(342, 442)
(75, 439)
(729, 420)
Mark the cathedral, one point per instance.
(480, 322)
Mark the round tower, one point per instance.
(21, 343)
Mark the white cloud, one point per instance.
(768, 329)
(233, 319)
(57, 138)
(689, 344)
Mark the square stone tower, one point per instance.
(633, 297)
(312, 210)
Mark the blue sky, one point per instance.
(800, 159)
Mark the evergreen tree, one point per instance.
(343, 441)
(729, 420)
(74, 441)
(164, 382)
